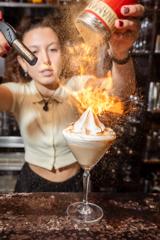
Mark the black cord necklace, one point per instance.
(45, 102)
(45, 106)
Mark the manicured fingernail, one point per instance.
(126, 10)
(120, 23)
(7, 47)
(1, 15)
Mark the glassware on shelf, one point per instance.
(154, 97)
(152, 146)
(127, 168)
(157, 46)
(8, 125)
(142, 44)
(156, 181)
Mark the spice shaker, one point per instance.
(96, 22)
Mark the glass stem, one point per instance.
(86, 181)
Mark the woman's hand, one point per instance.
(127, 30)
(4, 46)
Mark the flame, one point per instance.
(82, 58)
(97, 92)
(98, 98)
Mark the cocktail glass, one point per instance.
(88, 151)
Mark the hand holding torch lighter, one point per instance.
(10, 35)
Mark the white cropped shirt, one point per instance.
(41, 131)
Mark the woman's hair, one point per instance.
(61, 25)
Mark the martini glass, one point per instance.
(88, 151)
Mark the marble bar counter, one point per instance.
(42, 216)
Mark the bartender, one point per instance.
(42, 108)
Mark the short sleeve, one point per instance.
(17, 91)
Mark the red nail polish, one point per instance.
(7, 47)
(120, 23)
(1, 15)
(126, 10)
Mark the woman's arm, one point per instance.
(6, 99)
(124, 80)
(127, 31)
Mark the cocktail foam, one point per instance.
(88, 139)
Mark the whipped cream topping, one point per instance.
(88, 123)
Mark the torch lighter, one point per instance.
(10, 35)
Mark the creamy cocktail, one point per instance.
(88, 140)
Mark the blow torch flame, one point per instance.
(98, 98)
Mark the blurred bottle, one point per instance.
(5, 124)
(157, 47)
(1, 123)
(37, 1)
(154, 97)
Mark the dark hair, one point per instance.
(55, 24)
(61, 25)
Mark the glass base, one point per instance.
(84, 213)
